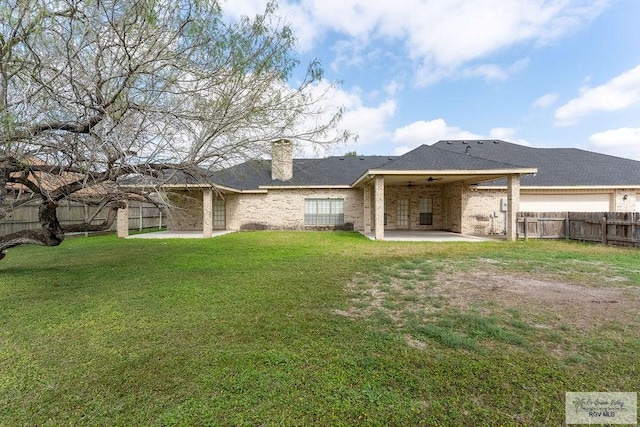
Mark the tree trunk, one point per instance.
(51, 232)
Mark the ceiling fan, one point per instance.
(431, 179)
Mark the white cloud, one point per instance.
(422, 132)
(456, 32)
(439, 36)
(495, 72)
(619, 93)
(507, 134)
(368, 122)
(392, 88)
(371, 124)
(490, 72)
(546, 100)
(428, 132)
(297, 16)
(622, 142)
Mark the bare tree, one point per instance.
(95, 91)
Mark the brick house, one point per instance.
(568, 180)
(468, 187)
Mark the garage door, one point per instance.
(565, 202)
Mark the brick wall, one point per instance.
(393, 193)
(186, 213)
(282, 160)
(481, 212)
(284, 209)
(454, 206)
(275, 210)
(625, 200)
(458, 207)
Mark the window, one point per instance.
(324, 212)
(402, 211)
(219, 220)
(426, 211)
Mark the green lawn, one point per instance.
(293, 328)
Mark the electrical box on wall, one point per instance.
(503, 204)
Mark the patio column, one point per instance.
(207, 212)
(367, 209)
(122, 221)
(379, 207)
(513, 205)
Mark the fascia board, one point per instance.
(450, 172)
(302, 187)
(562, 187)
(521, 171)
(219, 187)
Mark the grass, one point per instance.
(249, 329)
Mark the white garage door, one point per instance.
(565, 202)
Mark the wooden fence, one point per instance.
(609, 228)
(141, 216)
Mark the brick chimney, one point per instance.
(282, 160)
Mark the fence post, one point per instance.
(526, 228)
(123, 221)
(141, 216)
(567, 233)
(604, 230)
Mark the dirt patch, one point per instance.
(396, 298)
(541, 302)
(477, 306)
(546, 300)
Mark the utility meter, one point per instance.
(503, 204)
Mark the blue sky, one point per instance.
(545, 73)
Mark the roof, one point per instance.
(431, 158)
(253, 174)
(49, 182)
(340, 171)
(557, 167)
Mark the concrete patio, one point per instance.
(389, 235)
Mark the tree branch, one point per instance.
(30, 132)
(104, 225)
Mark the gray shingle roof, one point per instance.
(556, 166)
(428, 157)
(335, 170)
(330, 171)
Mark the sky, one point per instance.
(543, 73)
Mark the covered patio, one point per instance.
(404, 205)
(444, 177)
